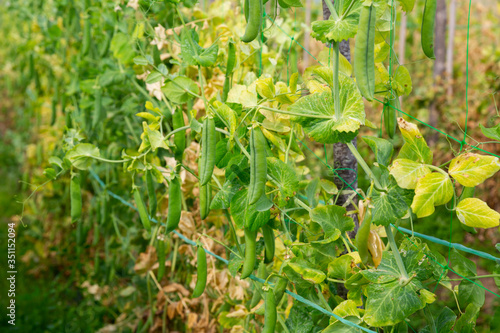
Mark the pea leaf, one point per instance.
(154, 77)
(240, 94)
(390, 205)
(467, 320)
(317, 114)
(382, 149)
(342, 267)
(332, 218)
(388, 301)
(50, 173)
(472, 169)
(222, 200)
(82, 155)
(228, 115)
(476, 213)
(492, 132)
(462, 265)
(402, 81)
(156, 140)
(407, 172)
(407, 5)
(284, 175)
(265, 87)
(179, 89)
(415, 147)
(340, 327)
(300, 320)
(433, 189)
(208, 56)
(469, 292)
(247, 216)
(307, 273)
(336, 29)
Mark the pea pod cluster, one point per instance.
(254, 10)
(364, 52)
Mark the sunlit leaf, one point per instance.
(82, 155)
(433, 189)
(319, 120)
(476, 213)
(407, 172)
(472, 169)
(415, 147)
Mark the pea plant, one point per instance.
(226, 143)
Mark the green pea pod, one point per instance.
(179, 137)
(54, 112)
(364, 52)
(201, 269)
(76, 198)
(258, 165)
(257, 295)
(254, 20)
(87, 26)
(361, 240)
(391, 116)
(427, 31)
(269, 245)
(205, 198)
(141, 207)
(55, 100)
(250, 254)
(174, 205)
(280, 288)
(225, 88)
(231, 61)
(208, 150)
(246, 9)
(231, 58)
(153, 203)
(271, 313)
(105, 46)
(468, 192)
(98, 116)
(160, 249)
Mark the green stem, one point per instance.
(302, 204)
(363, 164)
(396, 253)
(177, 130)
(475, 277)
(336, 88)
(335, 280)
(430, 166)
(333, 12)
